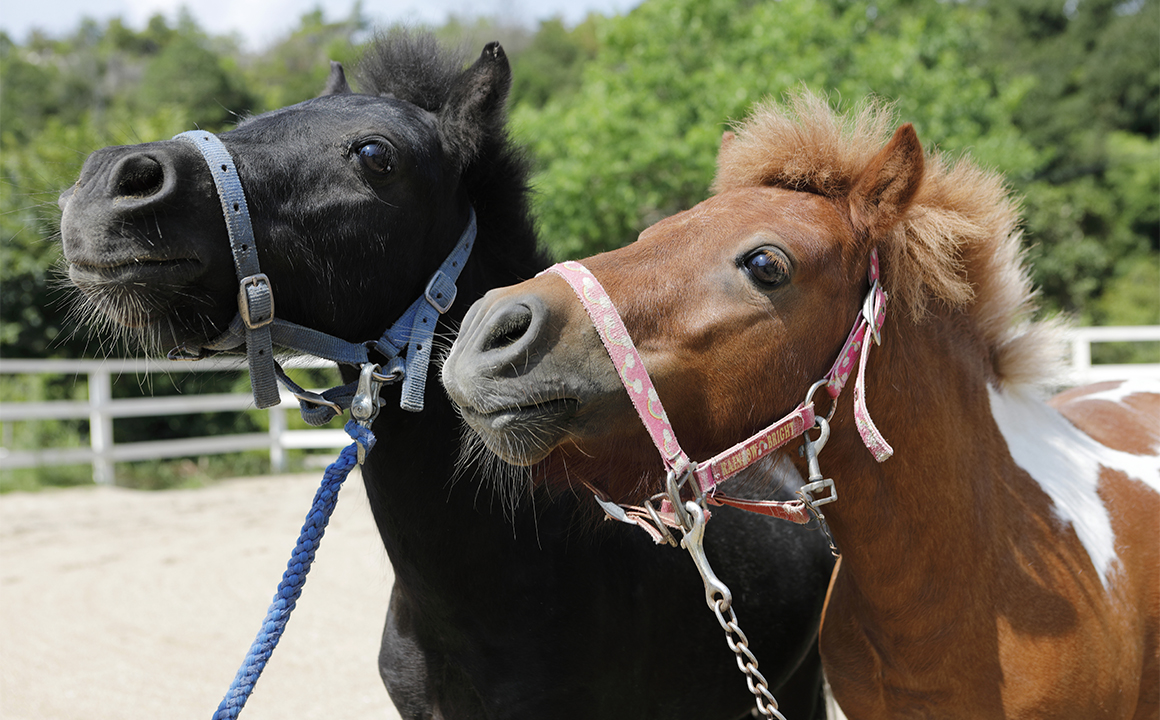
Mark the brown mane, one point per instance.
(958, 247)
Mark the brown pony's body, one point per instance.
(1005, 562)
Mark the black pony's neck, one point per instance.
(424, 507)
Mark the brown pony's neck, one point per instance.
(902, 525)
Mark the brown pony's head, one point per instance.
(739, 304)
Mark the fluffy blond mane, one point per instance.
(958, 246)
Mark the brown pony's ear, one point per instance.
(885, 189)
(726, 137)
(336, 83)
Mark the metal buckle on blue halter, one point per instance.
(406, 345)
(259, 346)
(256, 301)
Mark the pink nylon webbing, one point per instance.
(635, 378)
(629, 365)
(864, 334)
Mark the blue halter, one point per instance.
(406, 345)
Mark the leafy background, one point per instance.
(623, 116)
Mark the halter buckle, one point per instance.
(262, 301)
(441, 291)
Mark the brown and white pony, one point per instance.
(1005, 562)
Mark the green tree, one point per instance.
(1092, 113)
(187, 73)
(551, 65)
(638, 140)
(296, 67)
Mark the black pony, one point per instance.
(355, 201)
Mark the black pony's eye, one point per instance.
(768, 266)
(375, 156)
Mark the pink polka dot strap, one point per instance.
(710, 473)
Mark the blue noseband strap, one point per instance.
(255, 297)
(406, 345)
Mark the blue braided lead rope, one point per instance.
(295, 576)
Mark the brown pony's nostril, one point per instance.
(138, 176)
(508, 328)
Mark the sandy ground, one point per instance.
(126, 605)
(119, 604)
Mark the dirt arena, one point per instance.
(128, 605)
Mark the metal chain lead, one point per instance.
(720, 601)
(746, 662)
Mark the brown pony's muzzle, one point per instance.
(513, 370)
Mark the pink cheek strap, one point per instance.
(641, 391)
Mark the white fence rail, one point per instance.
(101, 408)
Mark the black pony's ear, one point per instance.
(474, 110)
(336, 83)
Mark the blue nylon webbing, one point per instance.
(259, 330)
(255, 294)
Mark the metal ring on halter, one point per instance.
(810, 397)
(395, 371)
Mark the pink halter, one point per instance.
(710, 473)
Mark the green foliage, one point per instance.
(551, 65)
(186, 74)
(295, 68)
(1092, 112)
(638, 140)
(623, 117)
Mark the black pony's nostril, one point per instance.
(507, 329)
(138, 176)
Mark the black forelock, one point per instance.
(411, 66)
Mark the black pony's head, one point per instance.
(354, 199)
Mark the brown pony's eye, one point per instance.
(376, 157)
(768, 266)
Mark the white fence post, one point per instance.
(278, 426)
(1081, 355)
(101, 425)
